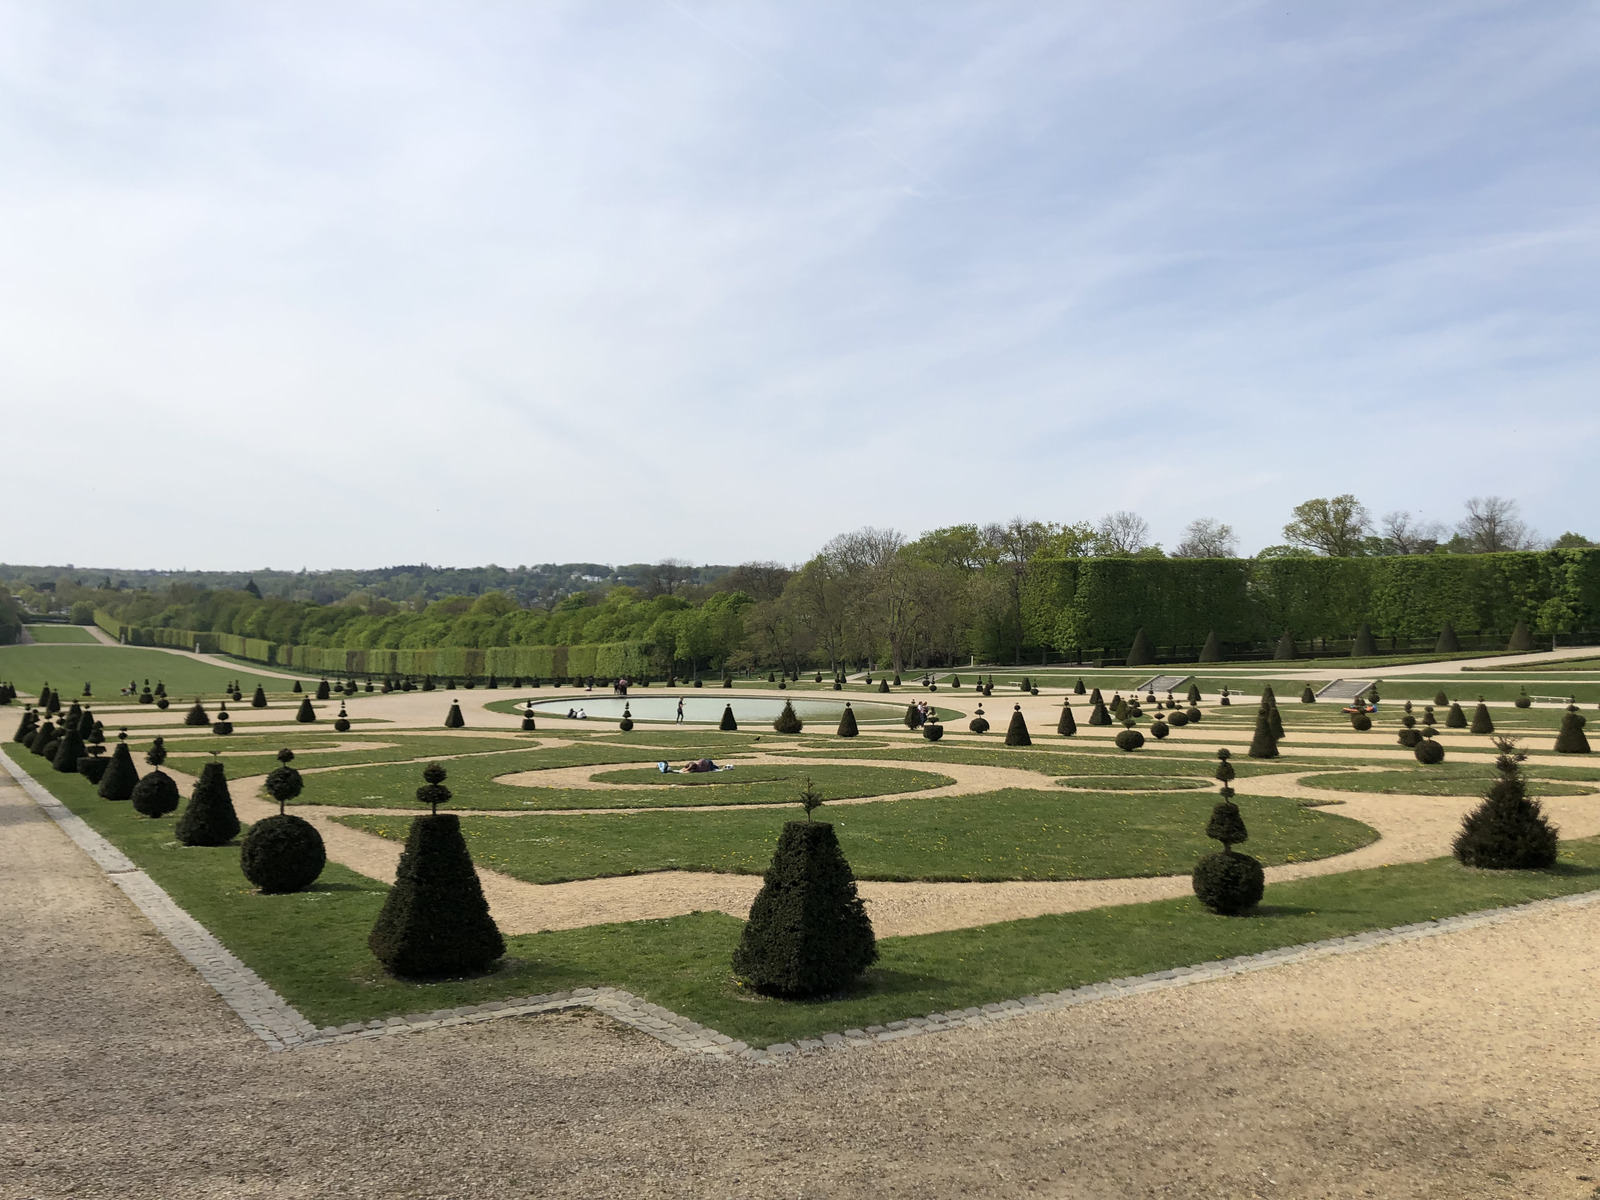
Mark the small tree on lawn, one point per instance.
(727, 724)
(306, 714)
(1307, 696)
(435, 921)
(788, 720)
(197, 715)
(1017, 731)
(808, 933)
(1229, 882)
(1262, 743)
(1509, 830)
(323, 690)
(1455, 718)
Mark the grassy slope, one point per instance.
(311, 946)
(59, 634)
(108, 668)
(1010, 834)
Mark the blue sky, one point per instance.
(313, 284)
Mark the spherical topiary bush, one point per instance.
(1129, 739)
(341, 723)
(1524, 700)
(285, 783)
(1178, 718)
(156, 794)
(1159, 729)
(979, 723)
(282, 854)
(1229, 883)
(1360, 722)
(1428, 752)
(932, 731)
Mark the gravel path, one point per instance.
(1455, 1067)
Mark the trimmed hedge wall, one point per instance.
(1101, 602)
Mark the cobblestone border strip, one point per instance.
(283, 1028)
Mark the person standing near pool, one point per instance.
(679, 721)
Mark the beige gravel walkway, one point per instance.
(1457, 1067)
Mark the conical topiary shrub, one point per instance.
(297, 688)
(1440, 699)
(1571, 738)
(69, 749)
(1262, 743)
(1308, 696)
(156, 794)
(1142, 653)
(1365, 645)
(1077, 688)
(1508, 831)
(1212, 651)
(197, 715)
(913, 717)
(883, 685)
(323, 690)
(1067, 726)
(435, 920)
(1194, 694)
(1455, 718)
(306, 713)
(1098, 714)
(1521, 638)
(847, 722)
(808, 932)
(259, 700)
(1270, 699)
(121, 775)
(1448, 642)
(1482, 722)
(44, 740)
(209, 819)
(788, 721)
(1017, 731)
(453, 719)
(727, 724)
(26, 726)
(1228, 883)
(1285, 646)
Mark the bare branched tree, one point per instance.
(1407, 534)
(1492, 524)
(1207, 538)
(667, 576)
(1122, 532)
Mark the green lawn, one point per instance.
(1083, 758)
(1011, 834)
(251, 754)
(1450, 779)
(58, 634)
(311, 946)
(110, 668)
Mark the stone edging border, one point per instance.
(281, 1027)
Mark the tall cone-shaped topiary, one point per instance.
(1270, 699)
(121, 775)
(847, 722)
(1448, 642)
(1229, 882)
(1194, 693)
(1365, 645)
(913, 717)
(883, 685)
(306, 713)
(1067, 726)
(69, 749)
(209, 819)
(1571, 739)
(1142, 653)
(1262, 743)
(259, 700)
(1098, 714)
(44, 740)
(1307, 696)
(297, 688)
(29, 722)
(808, 933)
(1077, 688)
(1455, 718)
(323, 690)
(197, 715)
(1285, 646)
(788, 721)
(453, 719)
(1212, 651)
(1521, 638)
(435, 920)
(727, 724)
(1017, 731)
(1508, 831)
(1482, 722)
(156, 794)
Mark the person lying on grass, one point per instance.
(698, 767)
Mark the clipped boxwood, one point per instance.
(1129, 739)
(282, 854)
(209, 819)
(1017, 731)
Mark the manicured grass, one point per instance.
(776, 783)
(311, 946)
(1448, 779)
(260, 753)
(1134, 783)
(109, 668)
(1083, 758)
(1011, 834)
(58, 634)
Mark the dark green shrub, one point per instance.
(284, 783)
(1229, 882)
(155, 795)
(1365, 645)
(955, 681)
(1523, 701)
(1194, 694)
(44, 741)
(808, 932)
(933, 731)
(1017, 731)
(1077, 688)
(626, 724)
(1508, 831)
(282, 854)
(259, 700)
(1455, 718)
(1448, 642)
(1225, 699)
(1482, 722)
(978, 724)
(1262, 742)
(1440, 700)
(146, 697)
(1285, 646)
(427, 683)
(224, 723)
(197, 715)
(297, 687)
(1212, 651)
(69, 749)
(727, 724)
(1308, 696)
(453, 719)
(26, 726)
(306, 713)
(1129, 739)
(913, 717)
(1178, 718)
(788, 721)
(341, 723)
(161, 703)
(435, 921)
(1521, 638)
(847, 722)
(1360, 722)
(897, 679)
(1193, 713)
(883, 685)
(433, 791)
(1098, 714)
(209, 819)
(323, 690)
(1428, 752)
(1067, 726)
(117, 783)
(1571, 738)
(1159, 729)
(1142, 653)
(92, 768)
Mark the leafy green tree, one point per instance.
(1333, 527)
